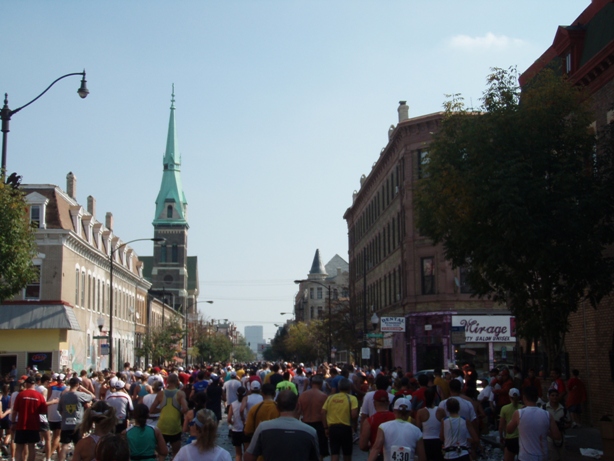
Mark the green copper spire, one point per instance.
(171, 204)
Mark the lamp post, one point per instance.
(111, 261)
(6, 113)
(187, 330)
(330, 315)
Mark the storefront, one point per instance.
(490, 340)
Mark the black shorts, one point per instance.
(237, 438)
(121, 426)
(71, 435)
(24, 436)
(432, 447)
(44, 426)
(322, 439)
(55, 425)
(172, 438)
(513, 445)
(340, 438)
(5, 424)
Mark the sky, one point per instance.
(281, 106)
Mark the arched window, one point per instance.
(174, 253)
(169, 211)
(163, 253)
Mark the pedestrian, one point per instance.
(309, 408)
(534, 424)
(230, 389)
(204, 448)
(263, 411)
(284, 438)
(171, 404)
(428, 419)
(399, 439)
(113, 447)
(53, 416)
(145, 442)
(457, 433)
(5, 419)
(576, 396)
(98, 421)
(236, 421)
(199, 402)
(42, 383)
(509, 441)
(214, 393)
(25, 416)
(339, 415)
(559, 413)
(119, 399)
(369, 427)
(71, 407)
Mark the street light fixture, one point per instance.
(6, 113)
(330, 315)
(111, 261)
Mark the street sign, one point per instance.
(104, 349)
(457, 335)
(366, 353)
(101, 337)
(375, 335)
(393, 324)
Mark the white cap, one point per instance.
(403, 402)
(119, 384)
(254, 385)
(514, 392)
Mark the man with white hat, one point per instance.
(119, 399)
(509, 440)
(399, 436)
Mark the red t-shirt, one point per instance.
(375, 420)
(576, 392)
(29, 404)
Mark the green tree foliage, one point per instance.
(17, 243)
(307, 342)
(162, 343)
(520, 195)
(242, 352)
(213, 346)
(346, 334)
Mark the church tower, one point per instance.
(169, 272)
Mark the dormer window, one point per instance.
(568, 63)
(35, 216)
(169, 211)
(38, 207)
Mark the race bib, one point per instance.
(71, 421)
(401, 453)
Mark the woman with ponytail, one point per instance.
(203, 448)
(98, 420)
(146, 443)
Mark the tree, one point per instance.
(214, 347)
(307, 342)
(242, 352)
(520, 196)
(162, 343)
(17, 242)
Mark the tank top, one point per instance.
(432, 426)
(237, 422)
(143, 391)
(169, 422)
(533, 428)
(455, 435)
(142, 442)
(52, 410)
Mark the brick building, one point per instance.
(584, 51)
(396, 272)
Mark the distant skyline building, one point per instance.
(254, 335)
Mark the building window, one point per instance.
(163, 253)
(428, 276)
(35, 216)
(311, 293)
(77, 276)
(33, 289)
(464, 280)
(83, 290)
(568, 63)
(319, 292)
(174, 253)
(88, 345)
(169, 211)
(423, 160)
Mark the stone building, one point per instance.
(396, 272)
(584, 52)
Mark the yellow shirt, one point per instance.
(338, 407)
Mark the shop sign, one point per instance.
(485, 328)
(393, 324)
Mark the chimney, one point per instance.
(403, 111)
(109, 220)
(71, 185)
(91, 206)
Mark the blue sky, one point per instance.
(281, 107)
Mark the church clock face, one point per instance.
(168, 279)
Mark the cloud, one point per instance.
(488, 42)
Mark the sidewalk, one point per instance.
(586, 437)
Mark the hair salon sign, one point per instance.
(486, 328)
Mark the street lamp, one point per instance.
(156, 239)
(6, 113)
(330, 315)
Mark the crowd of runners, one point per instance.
(282, 411)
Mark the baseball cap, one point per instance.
(23, 377)
(381, 396)
(155, 370)
(61, 377)
(403, 404)
(514, 392)
(138, 374)
(29, 380)
(214, 377)
(233, 374)
(255, 385)
(119, 384)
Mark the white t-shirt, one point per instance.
(191, 453)
(399, 435)
(368, 407)
(466, 408)
(237, 421)
(148, 399)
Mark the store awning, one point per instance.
(37, 317)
